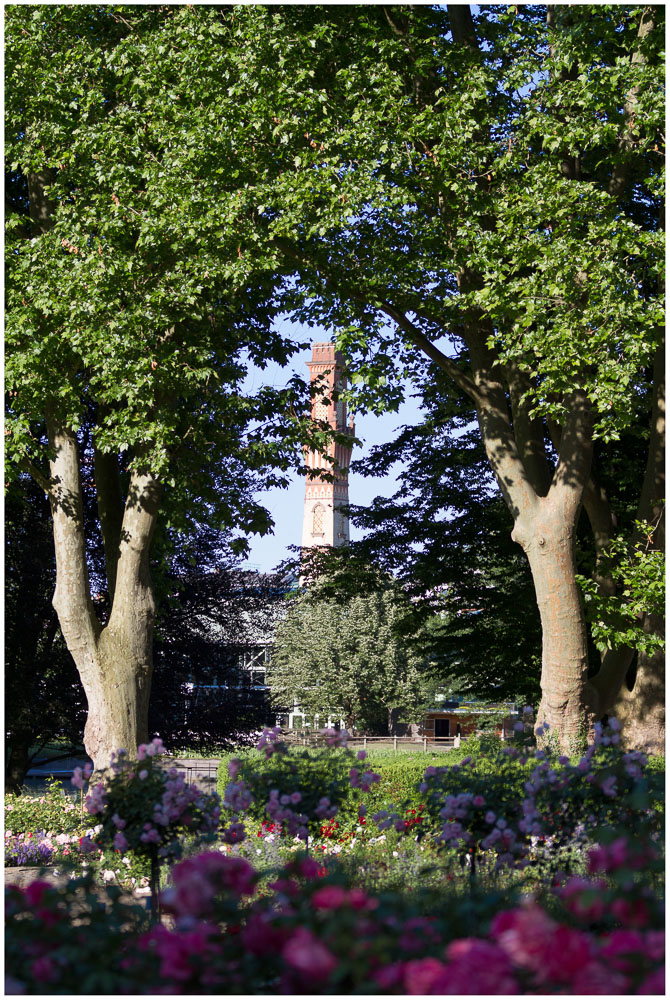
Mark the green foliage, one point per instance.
(131, 308)
(348, 658)
(400, 775)
(314, 773)
(638, 574)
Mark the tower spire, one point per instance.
(324, 523)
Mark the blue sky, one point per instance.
(286, 505)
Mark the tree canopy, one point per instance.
(348, 658)
(477, 195)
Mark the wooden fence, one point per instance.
(395, 743)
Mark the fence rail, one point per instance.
(396, 743)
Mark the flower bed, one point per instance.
(315, 932)
(512, 873)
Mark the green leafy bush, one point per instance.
(54, 811)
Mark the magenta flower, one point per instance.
(425, 976)
(330, 897)
(479, 967)
(305, 953)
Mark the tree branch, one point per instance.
(528, 432)
(575, 453)
(446, 363)
(42, 481)
(621, 169)
(422, 342)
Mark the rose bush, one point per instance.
(297, 791)
(144, 808)
(526, 806)
(320, 934)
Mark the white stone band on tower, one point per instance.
(323, 520)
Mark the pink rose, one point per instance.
(479, 967)
(532, 940)
(34, 892)
(330, 897)
(424, 975)
(597, 979)
(260, 936)
(305, 953)
(309, 868)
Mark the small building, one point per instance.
(454, 718)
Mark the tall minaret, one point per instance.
(323, 521)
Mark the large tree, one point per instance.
(481, 191)
(348, 658)
(485, 192)
(133, 315)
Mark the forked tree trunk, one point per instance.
(545, 510)
(114, 662)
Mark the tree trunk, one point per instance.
(544, 526)
(641, 709)
(114, 663)
(549, 544)
(117, 691)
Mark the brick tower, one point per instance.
(323, 522)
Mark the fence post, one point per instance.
(395, 742)
(424, 745)
(365, 742)
(457, 742)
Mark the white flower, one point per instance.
(108, 875)
(395, 854)
(126, 861)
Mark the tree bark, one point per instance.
(546, 531)
(641, 709)
(115, 662)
